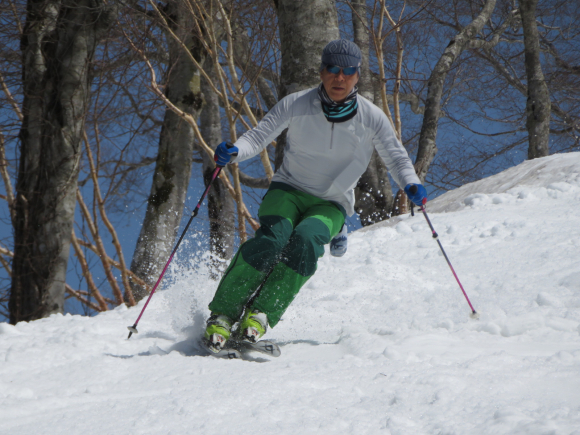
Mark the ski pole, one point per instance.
(133, 329)
(474, 314)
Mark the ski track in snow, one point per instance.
(377, 342)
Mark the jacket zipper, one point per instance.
(331, 134)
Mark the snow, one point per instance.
(378, 342)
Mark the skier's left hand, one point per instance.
(416, 193)
(339, 243)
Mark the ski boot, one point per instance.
(253, 326)
(217, 332)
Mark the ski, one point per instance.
(235, 349)
(225, 353)
(263, 346)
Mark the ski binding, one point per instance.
(225, 353)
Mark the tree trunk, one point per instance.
(221, 207)
(360, 25)
(427, 140)
(538, 103)
(373, 193)
(173, 166)
(58, 44)
(306, 26)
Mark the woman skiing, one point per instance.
(332, 133)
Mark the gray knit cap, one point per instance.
(341, 52)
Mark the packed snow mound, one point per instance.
(551, 176)
(377, 342)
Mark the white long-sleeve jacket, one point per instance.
(326, 159)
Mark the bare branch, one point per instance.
(77, 295)
(427, 145)
(101, 248)
(189, 119)
(256, 183)
(107, 222)
(488, 45)
(87, 273)
(116, 264)
(574, 69)
(11, 99)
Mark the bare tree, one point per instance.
(373, 193)
(173, 166)
(221, 209)
(538, 102)
(87, 252)
(484, 104)
(192, 44)
(58, 43)
(427, 141)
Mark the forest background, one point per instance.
(110, 111)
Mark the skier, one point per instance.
(332, 132)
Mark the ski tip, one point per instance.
(474, 315)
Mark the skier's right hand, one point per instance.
(224, 153)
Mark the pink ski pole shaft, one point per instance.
(133, 329)
(436, 237)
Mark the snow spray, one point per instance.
(133, 329)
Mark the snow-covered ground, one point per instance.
(378, 342)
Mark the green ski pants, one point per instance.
(294, 227)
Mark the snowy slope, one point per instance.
(378, 342)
